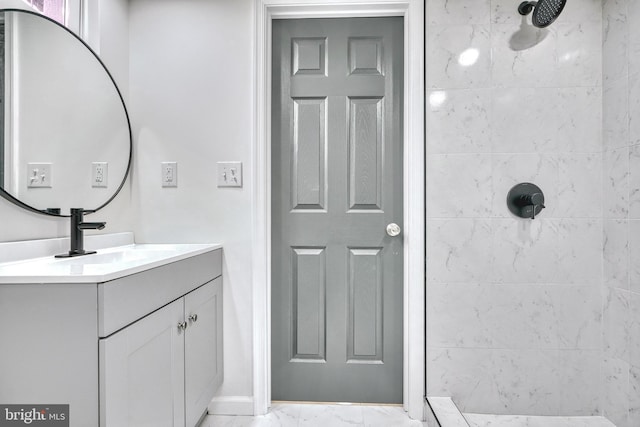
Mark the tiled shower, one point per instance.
(534, 317)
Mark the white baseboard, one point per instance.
(231, 405)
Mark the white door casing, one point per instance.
(414, 185)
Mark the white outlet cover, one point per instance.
(169, 174)
(40, 175)
(99, 174)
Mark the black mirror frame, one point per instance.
(23, 205)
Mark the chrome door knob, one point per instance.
(193, 318)
(393, 229)
(182, 326)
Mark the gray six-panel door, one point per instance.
(337, 281)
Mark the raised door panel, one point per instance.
(365, 308)
(203, 348)
(309, 154)
(365, 55)
(142, 372)
(309, 55)
(308, 305)
(365, 154)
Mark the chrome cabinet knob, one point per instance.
(182, 326)
(193, 318)
(393, 229)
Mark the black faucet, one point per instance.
(77, 236)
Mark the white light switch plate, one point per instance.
(39, 175)
(229, 174)
(169, 174)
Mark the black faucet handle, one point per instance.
(91, 225)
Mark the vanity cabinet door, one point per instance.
(142, 372)
(203, 348)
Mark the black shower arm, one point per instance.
(526, 7)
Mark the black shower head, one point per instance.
(544, 11)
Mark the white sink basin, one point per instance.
(107, 264)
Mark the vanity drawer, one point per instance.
(127, 299)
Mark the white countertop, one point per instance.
(108, 264)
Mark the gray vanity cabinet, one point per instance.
(164, 369)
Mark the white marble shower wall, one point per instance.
(514, 321)
(621, 290)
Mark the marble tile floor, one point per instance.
(483, 420)
(319, 415)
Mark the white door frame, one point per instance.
(413, 181)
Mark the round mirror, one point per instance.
(65, 135)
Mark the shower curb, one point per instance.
(443, 412)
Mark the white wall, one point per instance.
(113, 49)
(191, 102)
(108, 35)
(513, 305)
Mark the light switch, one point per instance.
(169, 174)
(229, 174)
(39, 175)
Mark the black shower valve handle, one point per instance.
(525, 200)
(534, 200)
(533, 210)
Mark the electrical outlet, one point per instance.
(39, 175)
(99, 174)
(229, 174)
(169, 174)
